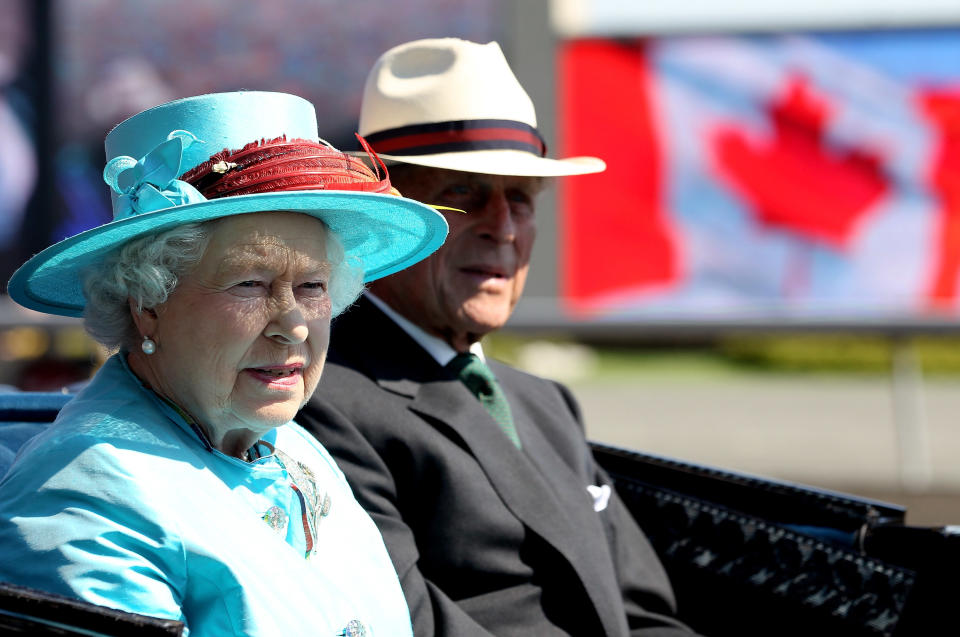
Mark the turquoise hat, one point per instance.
(149, 152)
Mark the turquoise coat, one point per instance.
(122, 504)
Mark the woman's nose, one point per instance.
(288, 325)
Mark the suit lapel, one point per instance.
(559, 513)
(558, 509)
(573, 503)
(365, 338)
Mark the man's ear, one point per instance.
(145, 319)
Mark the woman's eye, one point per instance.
(248, 288)
(314, 287)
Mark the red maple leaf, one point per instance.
(793, 180)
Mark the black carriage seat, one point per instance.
(747, 555)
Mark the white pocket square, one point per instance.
(600, 495)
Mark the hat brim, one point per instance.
(384, 232)
(516, 163)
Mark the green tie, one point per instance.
(481, 382)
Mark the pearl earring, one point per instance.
(148, 346)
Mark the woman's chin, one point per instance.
(274, 404)
(275, 414)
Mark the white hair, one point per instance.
(147, 269)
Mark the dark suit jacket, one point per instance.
(486, 538)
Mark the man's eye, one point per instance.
(457, 190)
(248, 284)
(518, 196)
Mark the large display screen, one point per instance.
(807, 176)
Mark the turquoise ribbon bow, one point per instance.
(151, 183)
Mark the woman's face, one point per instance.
(242, 339)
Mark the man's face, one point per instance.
(470, 285)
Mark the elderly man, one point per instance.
(478, 475)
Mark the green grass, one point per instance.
(756, 354)
(622, 363)
(841, 353)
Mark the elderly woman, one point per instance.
(175, 484)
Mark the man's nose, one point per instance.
(497, 222)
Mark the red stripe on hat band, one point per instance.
(408, 142)
(458, 136)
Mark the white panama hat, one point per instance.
(454, 104)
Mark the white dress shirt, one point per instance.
(438, 348)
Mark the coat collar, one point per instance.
(557, 508)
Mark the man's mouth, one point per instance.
(484, 271)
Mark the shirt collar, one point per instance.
(438, 348)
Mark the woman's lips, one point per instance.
(278, 376)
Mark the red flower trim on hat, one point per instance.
(279, 165)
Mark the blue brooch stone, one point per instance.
(276, 519)
(354, 629)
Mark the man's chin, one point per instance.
(484, 322)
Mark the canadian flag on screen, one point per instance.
(757, 176)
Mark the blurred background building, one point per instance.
(766, 278)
